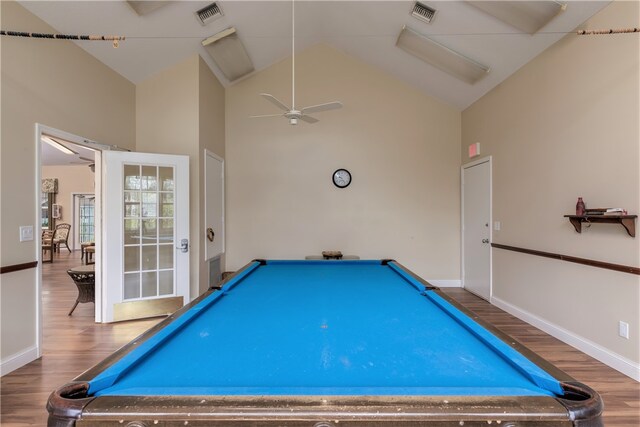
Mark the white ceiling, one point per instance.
(364, 29)
(51, 156)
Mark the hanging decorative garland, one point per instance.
(114, 39)
(610, 31)
(117, 39)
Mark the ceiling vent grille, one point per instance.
(423, 12)
(209, 14)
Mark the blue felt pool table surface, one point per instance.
(324, 328)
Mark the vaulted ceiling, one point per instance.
(367, 30)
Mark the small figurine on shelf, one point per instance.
(580, 208)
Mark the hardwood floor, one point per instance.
(72, 344)
(620, 393)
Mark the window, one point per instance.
(86, 219)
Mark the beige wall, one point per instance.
(57, 84)
(71, 179)
(566, 125)
(212, 137)
(181, 111)
(401, 146)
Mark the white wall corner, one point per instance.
(604, 355)
(446, 283)
(18, 360)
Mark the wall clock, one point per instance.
(341, 178)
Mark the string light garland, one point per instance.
(610, 31)
(115, 39)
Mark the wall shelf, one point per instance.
(627, 221)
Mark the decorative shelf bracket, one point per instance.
(627, 221)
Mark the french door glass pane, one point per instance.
(131, 258)
(131, 285)
(148, 231)
(165, 256)
(149, 257)
(166, 282)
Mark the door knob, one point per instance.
(485, 240)
(210, 234)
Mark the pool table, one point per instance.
(324, 343)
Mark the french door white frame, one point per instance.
(113, 259)
(489, 160)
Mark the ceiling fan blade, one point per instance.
(308, 119)
(266, 115)
(275, 101)
(322, 107)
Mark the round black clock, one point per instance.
(341, 178)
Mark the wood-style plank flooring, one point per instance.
(620, 393)
(72, 344)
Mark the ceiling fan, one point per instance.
(292, 114)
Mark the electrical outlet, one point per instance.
(623, 329)
(26, 233)
(497, 225)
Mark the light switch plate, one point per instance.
(26, 233)
(497, 225)
(623, 329)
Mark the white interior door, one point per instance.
(214, 205)
(145, 262)
(476, 228)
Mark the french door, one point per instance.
(145, 263)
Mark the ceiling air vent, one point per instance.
(423, 12)
(209, 14)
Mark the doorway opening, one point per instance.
(67, 166)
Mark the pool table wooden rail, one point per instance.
(328, 411)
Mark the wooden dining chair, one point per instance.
(47, 244)
(61, 236)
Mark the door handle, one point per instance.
(210, 234)
(184, 246)
(485, 240)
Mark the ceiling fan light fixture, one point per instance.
(440, 56)
(527, 16)
(229, 54)
(292, 113)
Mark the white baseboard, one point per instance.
(18, 360)
(609, 358)
(445, 283)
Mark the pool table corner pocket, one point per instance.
(65, 405)
(584, 404)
